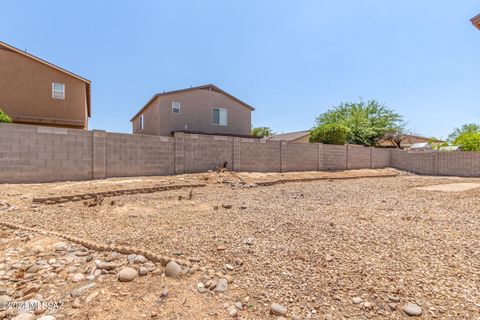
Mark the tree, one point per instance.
(468, 141)
(262, 132)
(367, 122)
(330, 134)
(466, 128)
(4, 118)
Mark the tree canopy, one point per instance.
(366, 122)
(262, 132)
(466, 128)
(468, 141)
(330, 134)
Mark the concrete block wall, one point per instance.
(302, 156)
(380, 157)
(204, 152)
(359, 157)
(138, 155)
(260, 155)
(42, 154)
(334, 157)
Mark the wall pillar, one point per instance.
(283, 156)
(347, 149)
(237, 143)
(320, 156)
(371, 157)
(179, 161)
(99, 161)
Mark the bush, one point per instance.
(4, 118)
(330, 134)
(468, 141)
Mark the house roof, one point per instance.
(31, 56)
(290, 136)
(450, 148)
(407, 140)
(476, 21)
(421, 145)
(202, 87)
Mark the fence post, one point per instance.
(347, 147)
(237, 145)
(283, 156)
(99, 154)
(436, 162)
(371, 157)
(320, 155)
(179, 140)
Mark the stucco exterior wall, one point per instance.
(26, 92)
(195, 113)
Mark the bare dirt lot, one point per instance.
(326, 249)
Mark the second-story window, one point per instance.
(141, 122)
(176, 107)
(58, 91)
(220, 116)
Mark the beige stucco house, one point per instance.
(203, 109)
(34, 91)
(297, 136)
(476, 21)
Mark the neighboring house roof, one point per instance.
(203, 87)
(421, 145)
(217, 134)
(450, 148)
(406, 141)
(290, 136)
(31, 56)
(476, 21)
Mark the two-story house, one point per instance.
(203, 109)
(34, 91)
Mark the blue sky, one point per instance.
(292, 60)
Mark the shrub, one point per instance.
(330, 134)
(4, 118)
(468, 141)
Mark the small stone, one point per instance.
(142, 271)
(229, 267)
(105, 265)
(412, 309)
(164, 293)
(33, 269)
(239, 305)
(76, 304)
(77, 277)
(131, 257)
(278, 309)
(127, 274)
(140, 259)
(60, 246)
(393, 306)
(367, 305)
(232, 311)
(173, 269)
(226, 206)
(222, 285)
(47, 317)
(328, 258)
(357, 300)
(201, 288)
(250, 241)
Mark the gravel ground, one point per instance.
(356, 249)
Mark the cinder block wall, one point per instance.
(31, 154)
(42, 154)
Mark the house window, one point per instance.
(220, 116)
(58, 91)
(175, 107)
(141, 122)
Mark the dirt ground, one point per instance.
(326, 249)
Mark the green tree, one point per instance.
(262, 132)
(466, 128)
(4, 118)
(468, 141)
(367, 122)
(332, 133)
